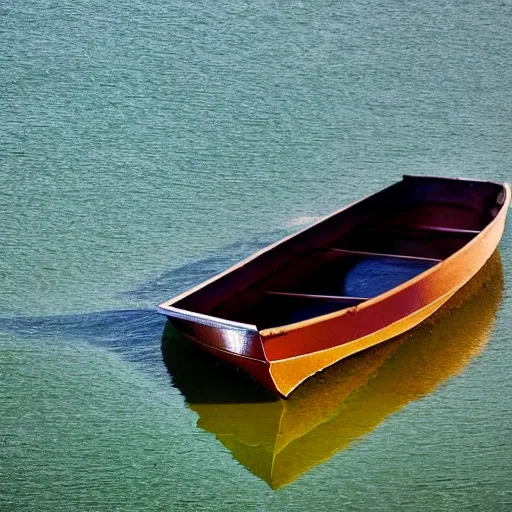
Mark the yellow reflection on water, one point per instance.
(278, 440)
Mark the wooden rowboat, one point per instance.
(358, 277)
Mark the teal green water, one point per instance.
(147, 145)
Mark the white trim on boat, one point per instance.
(211, 321)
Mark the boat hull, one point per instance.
(281, 358)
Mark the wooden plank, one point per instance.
(334, 298)
(418, 228)
(443, 229)
(384, 255)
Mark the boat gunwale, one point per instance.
(166, 308)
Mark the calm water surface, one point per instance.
(145, 146)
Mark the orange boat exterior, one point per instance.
(467, 217)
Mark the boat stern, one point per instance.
(234, 342)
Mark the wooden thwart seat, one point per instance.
(313, 296)
(418, 228)
(443, 229)
(367, 254)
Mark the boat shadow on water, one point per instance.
(278, 440)
(133, 334)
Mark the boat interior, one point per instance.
(353, 255)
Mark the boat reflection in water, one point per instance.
(278, 440)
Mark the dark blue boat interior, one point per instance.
(287, 310)
(345, 282)
(369, 277)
